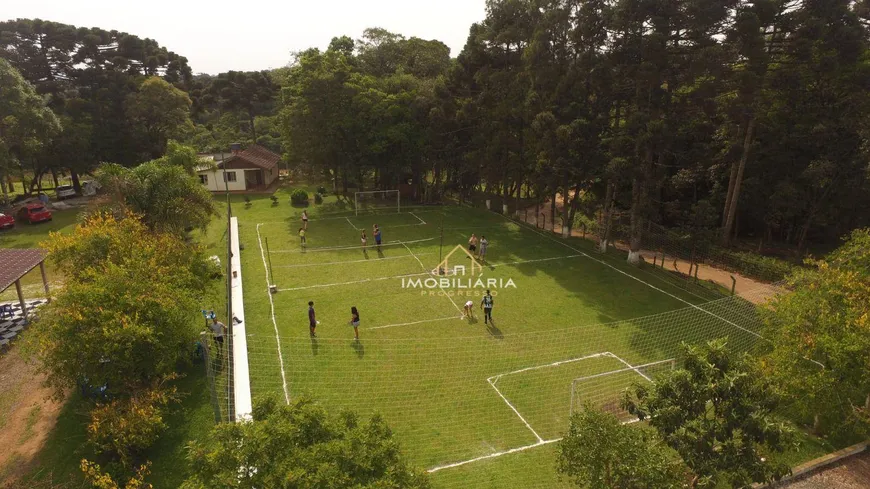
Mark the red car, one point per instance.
(6, 222)
(34, 213)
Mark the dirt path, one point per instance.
(753, 290)
(27, 415)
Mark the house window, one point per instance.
(230, 176)
(203, 179)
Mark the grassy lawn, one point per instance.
(455, 389)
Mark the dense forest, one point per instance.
(740, 118)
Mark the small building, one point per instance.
(252, 169)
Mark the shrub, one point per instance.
(124, 427)
(318, 198)
(102, 480)
(299, 197)
(765, 268)
(321, 190)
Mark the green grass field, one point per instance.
(450, 386)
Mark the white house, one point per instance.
(254, 169)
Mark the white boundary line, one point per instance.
(492, 455)
(540, 440)
(422, 222)
(302, 265)
(376, 279)
(352, 225)
(334, 248)
(424, 269)
(631, 366)
(753, 333)
(554, 364)
(496, 265)
(274, 321)
(415, 322)
(492, 381)
(495, 378)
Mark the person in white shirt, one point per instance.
(469, 310)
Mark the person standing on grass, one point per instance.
(312, 319)
(363, 239)
(469, 309)
(483, 244)
(472, 243)
(377, 233)
(218, 330)
(302, 237)
(354, 321)
(486, 303)
(305, 220)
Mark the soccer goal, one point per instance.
(375, 200)
(604, 391)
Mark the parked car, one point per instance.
(34, 213)
(64, 191)
(6, 222)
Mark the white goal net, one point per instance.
(605, 390)
(377, 200)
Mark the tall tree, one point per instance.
(250, 93)
(25, 122)
(718, 415)
(159, 112)
(820, 346)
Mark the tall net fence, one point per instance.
(453, 399)
(674, 250)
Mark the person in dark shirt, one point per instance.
(312, 320)
(487, 304)
(354, 321)
(377, 233)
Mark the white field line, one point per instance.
(334, 248)
(753, 333)
(534, 261)
(422, 222)
(636, 370)
(352, 225)
(302, 265)
(506, 452)
(415, 322)
(492, 455)
(274, 321)
(439, 286)
(554, 364)
(495, 378)
(376, 279)
(540, 440)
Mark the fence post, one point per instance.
(733, 284)
(696, 272)
(663, 258)
(655, 258)
(544, 220)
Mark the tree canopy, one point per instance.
(820, 346)
(301, 446)
(718, 415)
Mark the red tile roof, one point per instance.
(257, 156)
(15, 263)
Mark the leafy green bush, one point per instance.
(318, 198)
(124, 427)
(299, 197)
(765, 268)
